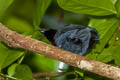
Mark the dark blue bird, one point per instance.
(75, 38)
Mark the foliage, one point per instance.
(25, 17)
(40, 9)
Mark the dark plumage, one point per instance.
(75, 38)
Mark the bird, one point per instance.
(75, 38)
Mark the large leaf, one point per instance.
(41, 63)
(40, 9)
(115, 46)
(106, 28)
(4, 4)
(12, 56)
(112, 50)
(3, 54)
(18, 24)
(116, 54)
(91, 7)
(117, 5)
(105, 56)
(8, 56)
(21, 72)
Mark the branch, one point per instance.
(13, 39)
(52, 74)
(47, 74)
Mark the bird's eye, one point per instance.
(76, 41)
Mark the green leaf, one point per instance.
(18, 24)
(8, 55)
(115, 46)
(105, 56)
(23, 72)
(4, 4)
(106, 28)
(116, 54)
(111, 52)
(91, 7)
(42, 63)
(92, 55)
(79, 71)
(3, 54)
(40, 9)
(39, 36)
(12, 56)
(11, 69)
(117, 5)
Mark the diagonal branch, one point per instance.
(47, 74)
(16, 40)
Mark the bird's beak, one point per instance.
(42, 30)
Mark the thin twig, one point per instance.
(52, 74)
(47, 74)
